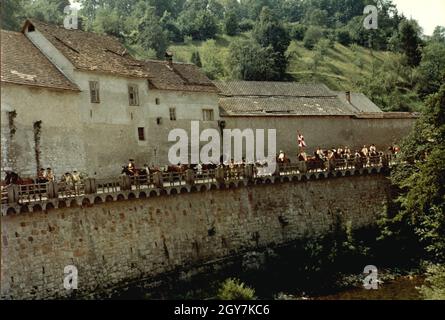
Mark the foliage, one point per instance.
(249, 61)
(431, 72)
(234, 289)
(312, 36)
(344, 37)
(410, 42)
(196, 59)
(418, 215)
(434, 287)
(231, 24)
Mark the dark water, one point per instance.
(403, 288)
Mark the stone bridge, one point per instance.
(53, 195)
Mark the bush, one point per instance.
(434, 287)
(234, 289)
(312, 36)
(297, 31)
(344, 37)
(246, 25)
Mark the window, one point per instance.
(94, 92)
(133, 95)
(141, 134)
(157, 101)
(173, 114)
(207, 114)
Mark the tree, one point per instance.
(439, 34)
(11, 12)
(212, 62)
(231, 23)
(419, 221)
(248, 60)
(318, 17)
(150, 33)
(432, 69)
(410, 43)
(170, 26)
(196, 59)
(270, 33)
(344, 37)
(312, 36)
(51, 11)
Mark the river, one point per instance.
(403, 288)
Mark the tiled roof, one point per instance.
(360, 102)
(249, 98)
(23, 63)
(273, 89)
(177, 76)
(91, 51)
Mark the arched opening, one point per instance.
(303, 178)
(49, 206)
(313, 177)
(10, 211)
(357, 172)
(184, 190)
(321, 176)
(347, 173)
(173, 191)
(120, 197)
(232, 185)
(213, 187)
(74, 203)
(163, 192)
(109, 198)
(374, 171)
(37, 208)
(97, 200)
(86, 202)
(339, 174)
(131, 196)
(153, 194)
(142, 195)
(286, 179)
(62, 204)
(24, 209)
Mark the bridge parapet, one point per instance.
(47, 196)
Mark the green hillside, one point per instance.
(341, 67)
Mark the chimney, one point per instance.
(348, 96)
(169, 57)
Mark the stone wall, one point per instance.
(120, 242)
(328, 132)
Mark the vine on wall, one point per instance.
(37, 135)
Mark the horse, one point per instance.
(315, 164)
(14, 178)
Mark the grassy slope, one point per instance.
(340, 68)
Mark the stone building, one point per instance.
(327, 119)
(77, 100)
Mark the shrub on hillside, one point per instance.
(234, 289)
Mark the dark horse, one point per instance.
(13, 178)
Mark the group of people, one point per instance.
(45, 176)
(341, 153)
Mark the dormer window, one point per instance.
(94, 92)
(133, 95)
(31, 28)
